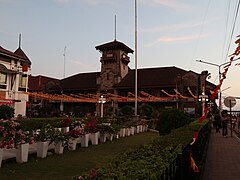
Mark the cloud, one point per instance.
(177, 27)
(167, 39)
(171, 27)
(173, 4)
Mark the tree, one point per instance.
(127, 110)
(171, 119)
(146, 111)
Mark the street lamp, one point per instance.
(203, 98)
(102, 100)
(219, 77)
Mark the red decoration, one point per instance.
(25, 68)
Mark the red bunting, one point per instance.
(193, 164)
(194, 138)
(213, 95)
(226, 68)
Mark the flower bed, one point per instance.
(13, 134)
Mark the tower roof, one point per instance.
(20, 53)
(114, 45)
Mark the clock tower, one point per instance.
(114, 64)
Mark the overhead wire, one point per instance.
(201, 29)
(233, 27)
(225, 34)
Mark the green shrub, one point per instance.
(109, 111)
(38, 123)
(127, 110)
(171, 119)
(146, 111)
(6, 112)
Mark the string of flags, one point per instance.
(213, 97)
(94, 98)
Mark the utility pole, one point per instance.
(136, 53)
(64, 61)
(219, 78)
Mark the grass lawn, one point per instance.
(72, 163)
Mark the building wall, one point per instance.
(11, 92)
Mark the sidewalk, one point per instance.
(223, 157)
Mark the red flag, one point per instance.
(194, 138)
(193, 164)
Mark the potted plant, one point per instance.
(60, 139)
(65, 123)
(143, 126)
(84, 138)
(22, 140)
(76, 123)
(8, 130)
(91, 128)
(116, 128)
(43, 138)
(106, 131)
(75, 135)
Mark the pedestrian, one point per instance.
(234, 121)
(217, 120)
(238, 121)
(224, 124)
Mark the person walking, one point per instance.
(224, 125)
(217, 120)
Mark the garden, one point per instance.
(95, 148)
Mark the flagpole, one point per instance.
(64, 61)
(136, 90)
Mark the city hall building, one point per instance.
(161, 87)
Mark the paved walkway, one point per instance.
(223, 158)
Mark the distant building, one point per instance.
(116, 78)
(14, 70)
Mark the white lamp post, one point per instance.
(102, 100)
(203, 98)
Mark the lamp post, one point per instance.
(177, 79)
(203, 97)
(102, 100)
(219, 77)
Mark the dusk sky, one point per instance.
(170, 33)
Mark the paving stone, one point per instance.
(223, 158)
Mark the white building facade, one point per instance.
(14, 70)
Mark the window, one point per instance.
(3, 78)
(22, 81)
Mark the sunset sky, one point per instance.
(170, 33)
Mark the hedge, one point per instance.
(149, 161)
